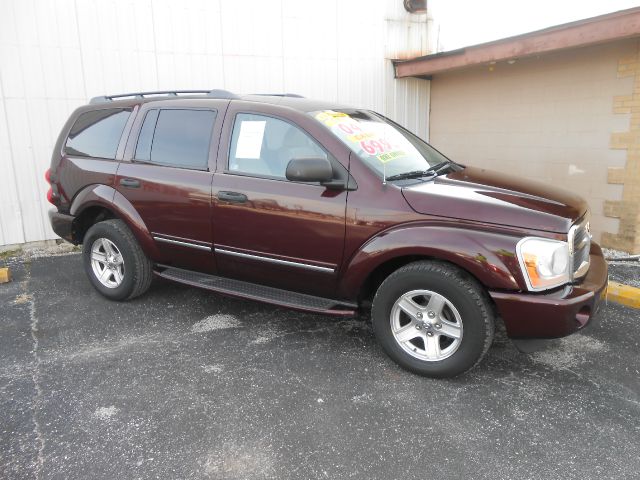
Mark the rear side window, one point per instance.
(175, 137)
(97, 133)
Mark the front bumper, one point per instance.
(62, 224)
(556, 314)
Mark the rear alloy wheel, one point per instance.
(114, 262)
(107, 263)
(433, 319)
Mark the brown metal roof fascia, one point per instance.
(591, 31)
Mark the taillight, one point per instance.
(47, 177)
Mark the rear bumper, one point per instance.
(556, 314)
(62, 224)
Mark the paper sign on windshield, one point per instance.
(250, 139)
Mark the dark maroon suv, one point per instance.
(322, 208)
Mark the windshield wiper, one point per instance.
(412, 174)
(429, 172)
(439, 167)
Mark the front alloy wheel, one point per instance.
(433, 318)
(426, 325)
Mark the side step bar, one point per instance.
(261, 293)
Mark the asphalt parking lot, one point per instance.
(187, 384)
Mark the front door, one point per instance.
(167, 178)
(270, 230)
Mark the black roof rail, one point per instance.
(292, 95)
(216, 93)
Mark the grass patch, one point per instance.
(9, 253)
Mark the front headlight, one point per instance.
(544, 263)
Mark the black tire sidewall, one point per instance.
(474, 320)
(106, 230)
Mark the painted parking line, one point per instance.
(5, 275)
(623, 294)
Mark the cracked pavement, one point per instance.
(183, 383)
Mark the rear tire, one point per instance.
(114, 261)
(433, 319)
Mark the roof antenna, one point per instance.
(384, 173)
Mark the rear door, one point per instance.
(166, 175)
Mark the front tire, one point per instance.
(433, 319)
(114, 261)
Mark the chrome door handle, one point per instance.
(233, 197)
(129, 183)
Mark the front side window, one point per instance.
(175, 137)
(97, 133)
(384, 146)
(263, 146)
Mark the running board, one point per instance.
(261, 293)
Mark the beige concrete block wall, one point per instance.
(628, 209)
(549, 118)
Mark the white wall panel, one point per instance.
(11, 230)
(56, 54)
(311, 77)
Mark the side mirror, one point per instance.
(309, 169)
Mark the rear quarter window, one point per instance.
(97, 133)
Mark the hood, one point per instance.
(492, 197)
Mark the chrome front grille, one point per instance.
(580, 244)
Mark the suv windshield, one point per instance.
(387, 148)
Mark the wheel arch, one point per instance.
(487, 257)
(88, 217)
(95, 203)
